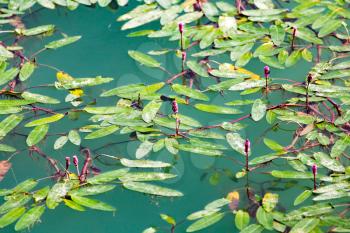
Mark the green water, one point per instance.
(103, 51)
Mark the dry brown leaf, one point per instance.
(4, 168)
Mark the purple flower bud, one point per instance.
(184, 56)
(309, 78)
(314, 169)
(181, 27)
(174, 106)
(75, 160)
(67, 162)
(197, 6)
(247, 146)
(266, 71)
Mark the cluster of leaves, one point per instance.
(206, 33)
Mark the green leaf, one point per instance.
(74, 137)
(273, 145)
(307, 55)
(26, 71)
(291, 174)
(45, 120)
(103, 3)
(30, 218)
(150, 230)
(38, 30)
(263, 12)
(309, 211)
(18, 201)
(305, 225)
(171, 145)
(107, 176)
(144, 149)
(146, 176)
(37, 134)
(56, 193)
(73, 205)
(39, 98)
(302, 197)
(264, 218)
(186, 91)
(277, 34)
(152, 189)
(242, 219)
(102, 132)
(329, 27)
(143, 19)
(216, 109)
(168, 219)
(205, 222)
(60, 142)
(271, 61)
(247, 85)
(197, 68)
(25, 186)
(228, 74)
(143, 163)
(308, 35)
(8, 75)
(340, 146)
(7, 148)
(149, 112)
(144, 59)
(84, 82)
(270, 201)
(5, 53)
(236, 142)
(62, 42)
(199, 150)
(9, 123)
(328, 162)
(253, 228)
(91, 190)
(11, 216)
(258, 110)
(293, 58)
(93, 204)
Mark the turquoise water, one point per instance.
(103, 51)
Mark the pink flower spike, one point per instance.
(309, 78)
(175, 107)
(67, 162)
(181, 27)
(184, 56)
(314, 169)
(267, 71)
(247, 146)
(75, 160)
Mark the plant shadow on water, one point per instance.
(105, 50)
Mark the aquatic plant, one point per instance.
(207, 37)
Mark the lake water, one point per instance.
(103, 51)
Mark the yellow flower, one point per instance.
(63, 77)
(77, 92)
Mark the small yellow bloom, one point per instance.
(77, 92)
(63, 77)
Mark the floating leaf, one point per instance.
(62, 42)
(45, 120)
(143, 163)
(60, 142)
(37, 134)
(302, 197)
(205, 222)
(30, 218)
(144, 59)
(216, 109)
(258, 110)
(91, 190)
(93, 204)
(149, 112)
(242, 219)
(253, 228)
(11, 216)
(328, 162)
(236, 142)
(291, 174)
(144, 149)
(152, 189)
(199, 150)
(107, 176)
(270, 201)
(264, 218)
(305, 225)
(26, 71)
(74, 137)
(39, 98)
(56, 193)
(102, 132)
(195, 94)
(9, 123)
